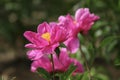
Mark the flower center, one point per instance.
(74, 22)
(46, 36)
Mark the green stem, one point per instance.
(53, 78)
(86, 63)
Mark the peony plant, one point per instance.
(54, 42)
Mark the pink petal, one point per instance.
(59, 34)
(50, 49)
(85, 19)
(30, 36)
(72, 44)
(66, 21)
(40, 41)
(80, 12)
(61, 19)
(30, 45)
(66, 61)
(36, 39)
(43, 28)
(34, 54)
(43, 62)
(69, 23)
(79, 68)
(57, 63)
(64, 58)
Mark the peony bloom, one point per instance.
(61, 63)
(47, 38)
(81, 23)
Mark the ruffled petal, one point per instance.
(69, 24)
(30, 36)
(72, 44)
(64, 58)
(50, 49)
(79, 68)
(85, 19)
(58, 34)
(43, 28)
(34, 54)
(80, 12)
(43, 62)
(57, 63)
(61, 19)
(30, 45)
(66, 61)
(36, 39)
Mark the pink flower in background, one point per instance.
(61, 63)
(84, 19)
(66, 61)
(45, 40)
(80, 24)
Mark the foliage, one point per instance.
(68, 73)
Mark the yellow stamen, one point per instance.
(46, 36)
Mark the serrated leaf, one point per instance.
(66, 75)
(43, 73)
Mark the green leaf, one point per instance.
(117, 61)
(62, 45)
(57, 50)
(66, 75)
(43, 73)
(85, 76)
(119, 4)
(91, 50)
(99, 24)
(111, 46)
(108, 40)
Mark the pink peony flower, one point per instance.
(61, 63)
(43, 62)
(47, 38)
(80, 24)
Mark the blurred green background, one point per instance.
(101, 45)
